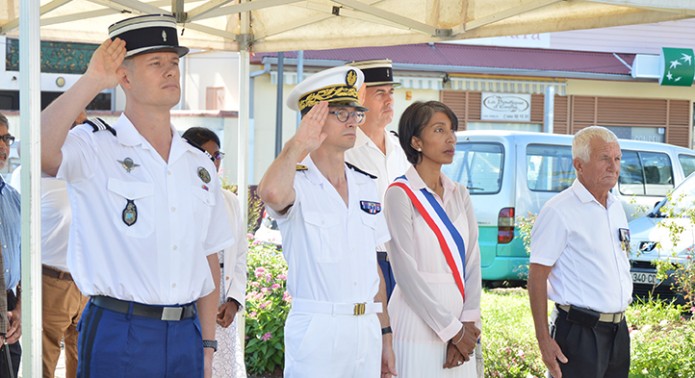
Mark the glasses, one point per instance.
(8, 139)
(343, 115)
(217, 155)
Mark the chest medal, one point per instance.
(204, 175)
(130, 213)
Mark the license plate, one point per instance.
(644, 278)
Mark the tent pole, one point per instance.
(30, 115)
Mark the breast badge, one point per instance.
(128, 164)
(370, 207)
(130, 213)
(204, 175)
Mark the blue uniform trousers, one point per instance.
(113, 344)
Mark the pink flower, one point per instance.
(266, 336)
(268, 277)
(286, 297)
(275, 286)
(259, 271)
(282, 277)
(264, 290)
(249, 236)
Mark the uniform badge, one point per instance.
(351, 78)
(624, 236)
(204, 175)
(130, 213)
(370, 207)
(128, 164)
(301, 167)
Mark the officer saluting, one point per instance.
(146, 222)
(331, 221)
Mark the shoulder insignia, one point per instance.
(360, 171)
(301, 167)
(99, 124)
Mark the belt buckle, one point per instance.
(359, 309)
(617, 317)
(172, 313)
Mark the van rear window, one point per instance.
(549, 167)
(645, 173)
(478, 166)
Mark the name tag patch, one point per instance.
(370, 207)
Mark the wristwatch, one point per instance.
(210, 344)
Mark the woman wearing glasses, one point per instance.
(435, 307)
(229, 358)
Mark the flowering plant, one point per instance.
(267, 306)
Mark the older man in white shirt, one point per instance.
(579, 246)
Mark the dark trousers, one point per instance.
(123, 345)
(602, 351)
(15, 349)
(389, 279)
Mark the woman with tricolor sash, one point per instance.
(435, 307)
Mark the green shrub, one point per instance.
(509, 342)
(267, 306)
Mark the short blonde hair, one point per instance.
(581, 144)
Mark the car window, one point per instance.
(645, 173)
(549, 168)
(687, 163)
(478, 166)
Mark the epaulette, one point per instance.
(201, 149)
(301, 168)
(99, 124)
(360, 171)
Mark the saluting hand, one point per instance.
(104, 64)
(310, 135)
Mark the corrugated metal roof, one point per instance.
(469, 56)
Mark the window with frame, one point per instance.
(478, 166)
(549, 168)
(645, 173)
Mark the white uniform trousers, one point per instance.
(325, 345)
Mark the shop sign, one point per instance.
(676, 67)
(505, 107)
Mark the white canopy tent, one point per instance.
(271, 25)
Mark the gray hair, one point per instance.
(3, 121)
(581, 148)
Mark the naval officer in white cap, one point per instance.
(134, 189)
(331, 220)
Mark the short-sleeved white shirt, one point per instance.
(368, 157)
(579, 238)
(329, 247)
(162, 257)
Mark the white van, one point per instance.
(511, 174)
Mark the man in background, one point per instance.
(10, 241)
(62, 301)
(376, 150)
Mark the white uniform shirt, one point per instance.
(329, 247)
(235, 256)
(368, 157)
(162, 257)
(579, 238)
(55, 220)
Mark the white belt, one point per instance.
(316, 307)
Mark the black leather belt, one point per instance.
(55, 273)
(174, 313)
(382, 256)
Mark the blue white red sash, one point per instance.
(436, 218)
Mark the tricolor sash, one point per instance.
(436, 218)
